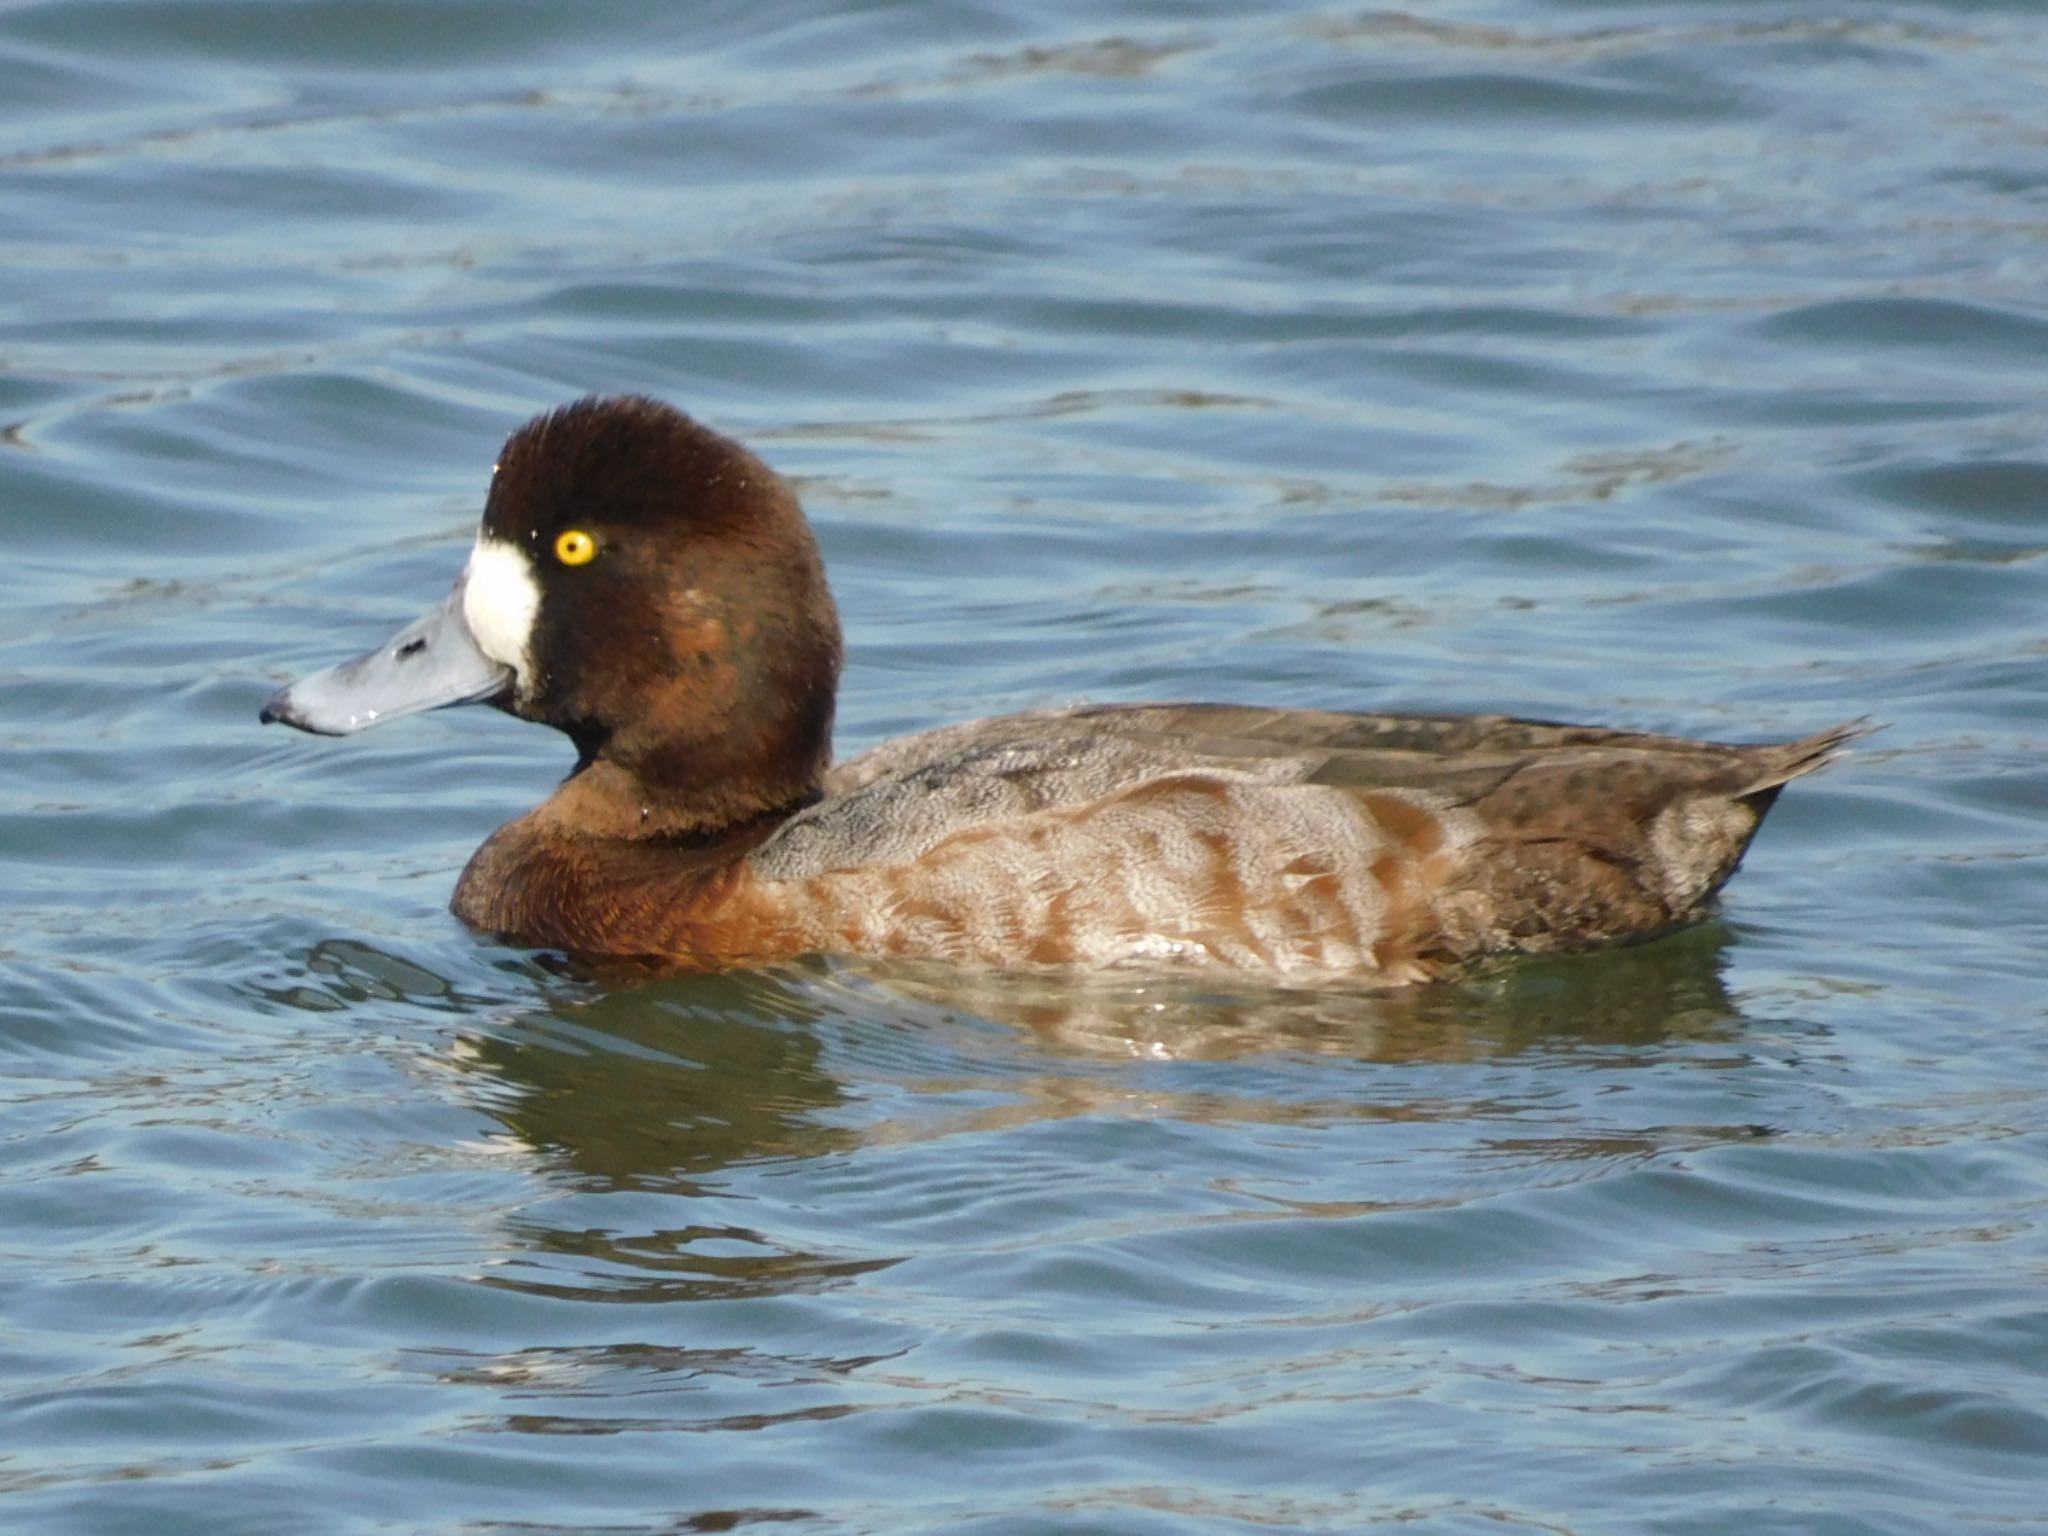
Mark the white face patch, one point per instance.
(499, 603)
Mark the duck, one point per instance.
(651, 589)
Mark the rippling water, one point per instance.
(1677, 365)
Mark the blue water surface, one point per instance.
(1676, 365)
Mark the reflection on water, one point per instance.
(667, 1083)
(1633, 995)
(640, 1105)
(674, 1082)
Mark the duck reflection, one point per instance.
(678, 1080)
(627, 1079)
(664, 1101)
(673, 1080)
(1633, 996)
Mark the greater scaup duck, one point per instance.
(651, 589)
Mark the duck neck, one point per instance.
(605, 800)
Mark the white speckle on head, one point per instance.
(499, 603)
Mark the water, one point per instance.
(1676, 365)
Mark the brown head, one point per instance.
(649, 588)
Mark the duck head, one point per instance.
(644, 585)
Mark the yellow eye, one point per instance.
(575, 548)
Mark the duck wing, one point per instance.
(896, 800)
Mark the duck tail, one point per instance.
(1779, 765)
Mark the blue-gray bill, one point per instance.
(431, 663)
